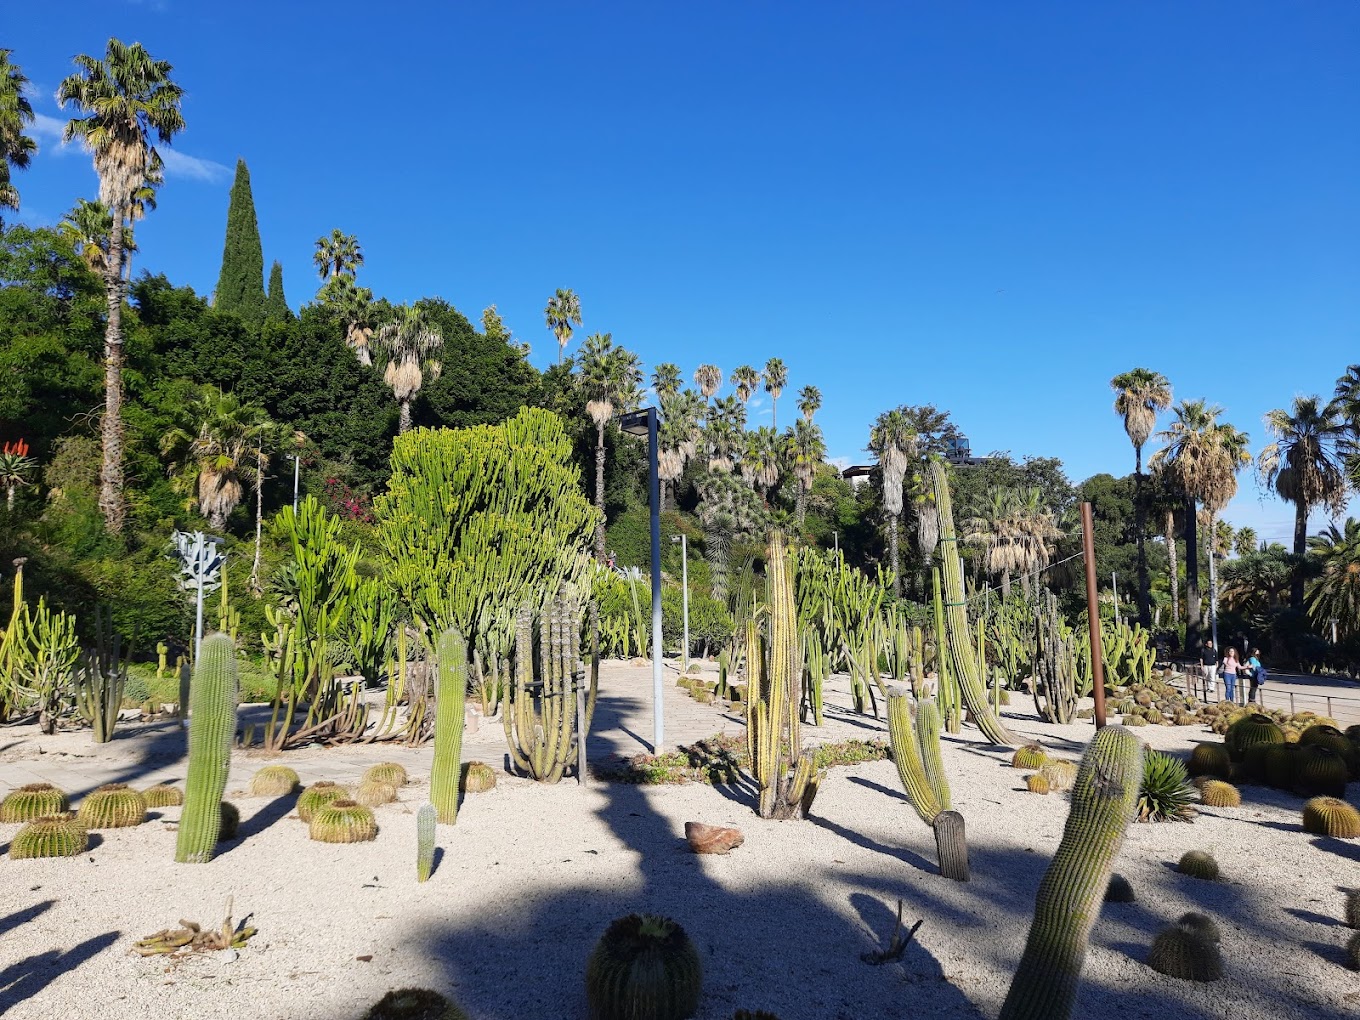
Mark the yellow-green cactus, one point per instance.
(644, 968)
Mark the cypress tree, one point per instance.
(276, 305)
(240, 286)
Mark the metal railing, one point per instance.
(1273, 694)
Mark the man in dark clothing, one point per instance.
(1208, 658)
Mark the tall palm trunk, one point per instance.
(599, 489)
(1300, 550)
(1192, 621)
(1175, 572)
(111, 429)
(404, 421)
(892, 555)
(1140, 522)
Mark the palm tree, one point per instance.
(16, 112)
(354, 305)
(776, 377)
(807, 450)
(562, 312)
(728, 511)
(682, 416)
(747, 380)
(1244, 542)
(809, 401)
(990, 527)
(725, 424)
(611, 379)
(893, 441)
(87, 228)
(410, 343)
(1139, 395)
(709, 379)
(1334, 594)
(270, 438)
(760, 459)
(126, 97)
(666, 381)
(214, 452)
(1305, 464)
(337, 254)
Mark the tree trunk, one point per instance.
(892, 555)
(774, 412)
(1140, 522)
(599, 490)
(1300, 550)
(1175, 573)
(1005, 584)
(259, 519)
(404, 422)
(111, 428)
(1192, 620)
(801, 505)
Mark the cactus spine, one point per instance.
(448, 726)
(212, 727)
(425, 822)
(1103, 801)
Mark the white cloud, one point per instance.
(181, 164)
(47, 128)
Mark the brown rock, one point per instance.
(712, 839)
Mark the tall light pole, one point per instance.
(684, 590)
(296, 458)
(1114, 580)
(644, 423)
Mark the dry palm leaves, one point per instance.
(191, 937)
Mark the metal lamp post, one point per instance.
(200, 563)
(644, 422)
(296, 459)
(684, 596)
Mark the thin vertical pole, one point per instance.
(654, 480)
(198, 621)
(684, 581)
(1088, 549)
(1114, 581)
(295, 482)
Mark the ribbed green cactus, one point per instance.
(36, 800)
(426, 818)
(451, 654)
(1103, 801)
(1353, 908)
(1331, 816)
(50, 836)
(1200, 925)
(387, 772)
(1209, 760)
(1060, 774)
(230, 823)
(1249, 730)
(1119, 890)
(274, 781)
(112, 806)
(414, 1004)
(1320, 771)
(318, 795)
(916, 750)
(478, 777)
(1037, 782)
(644, 968)
(1353, 952)
(1216, 793)
(162, 795)
(102, 679)
(1180, 953)
(342, 821)
(1030, 756)
(1280, 763)
(375, 792)
(212, 728)
(1198, 864)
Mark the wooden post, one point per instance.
(1088, 548)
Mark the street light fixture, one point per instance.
(684, 590)
(640, 423)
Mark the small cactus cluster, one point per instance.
(318, 795)
(1029, 757)
(36, 800)
(112, 806)
(374, 793)
(1330, 816)
(414, 1004)
(1198, 864)
(274, 781)
(426, 818)
(163, 795)
(644, 968)
(50, 836)
(342, 821)
(1218, 794)
(478, 777)
(387, 772)
(1187, 951)
(1037, 782)
(1119, 890)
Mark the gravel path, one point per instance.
(531, 875)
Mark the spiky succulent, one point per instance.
(387, 772)
(1281, 761)
(274, 781)
(36, 800)
(1198, 864)
(1251, 729)
(1036, 782)
(1030, 756)
(1320, 771)
(1180, 953)
(342, 821)
(643, 968)
(1327, 736)
(1353, 908)
(1119, 890)
(1200, 925)
(318, 794)
(1218, 794)
(1353, 952)
(51, 836)
(163, 795)
(231, 821)
(1209, 760)
(375, 792)
(1331, 816)
(1060, 774)
(426, 818)
(112, 806)
(1133, 720)
(414, 1004)
(478, 777)
(1166, 794)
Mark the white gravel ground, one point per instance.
(531, 875)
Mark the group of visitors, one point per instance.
(1232, 669)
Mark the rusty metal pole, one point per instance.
(1088, 549)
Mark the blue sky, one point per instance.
(994, 207)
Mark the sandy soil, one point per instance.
(531, 875)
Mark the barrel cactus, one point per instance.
(1320, 771)
(112, 806)
(163, 795)
(643, 968)
(1353, 908)
(212, 730)
(1180, 953)
(1280, 764)
(1218, 794)
(414, 1004)
(317, 795)
(1198, 864)
(342, 821)
(1200, 925)
(1029, 756)
(36, 800)
(1104, 800)
(1331, 816)
(375, 792)
(274, 781)
(387, 772)
(1133, 720)
(425, 823)
(478, 777)
(1119, 890)
(1059, 774)
(230, 823)
(1251, 729)
(51, 836)
(1036, 782)
(1326, 736)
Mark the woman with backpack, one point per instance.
(1257, 674)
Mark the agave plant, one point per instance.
(1166, 794)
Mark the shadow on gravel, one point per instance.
(260, 820)
(30, 976)
(11, 921)
(168, 744)
(1339, 847)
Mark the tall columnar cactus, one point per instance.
(425, 822)
(786, 776)
(1055, 664)
(916, 750)
(962, 653)
(212, 727)
(1103, 801)
(448, 726)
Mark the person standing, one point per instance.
(1257, 672)
(1230, 667)
(1208, 658)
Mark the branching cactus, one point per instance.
(1055, 664)
(786, 776)
(102, 680)
(916, 750)
(448, 726)
(212, 727)
(1104, 798)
